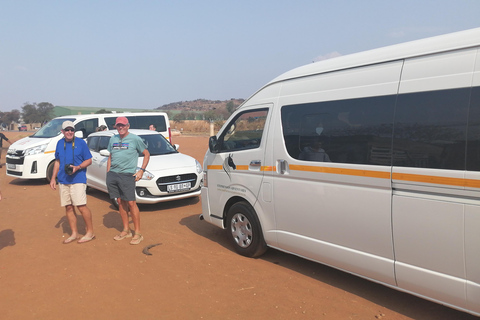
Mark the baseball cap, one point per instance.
(121, 120)
(67, 124)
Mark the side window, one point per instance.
(244, 131)
(103, 143)
(430, 129)
(357, 131)
(92, 143)
(473, 139)
(110, 121)
(144, 122)
(87, 126)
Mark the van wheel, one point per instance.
(244, 230)
(50, 171)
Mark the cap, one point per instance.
(67, 124)
(121, 120)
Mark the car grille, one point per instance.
(162, 182)
(15, 158)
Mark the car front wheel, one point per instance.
(244, 230)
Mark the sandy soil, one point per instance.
(192, 274)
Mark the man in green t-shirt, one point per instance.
(122, 175)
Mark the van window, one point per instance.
(87, 126)
(140, 122)
(51, 129)
(357, 131)
(244, 131)
(431, 129)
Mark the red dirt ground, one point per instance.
(192, 274)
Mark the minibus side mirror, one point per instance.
(79, 134)
(213, 144)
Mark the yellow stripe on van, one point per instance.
(50, 151)
(350, 172)
(459, 182)
(214, 167)
(268, 168)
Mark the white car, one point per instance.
(169, 175)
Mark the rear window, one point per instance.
(140, 122)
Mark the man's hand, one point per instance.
(138, 175)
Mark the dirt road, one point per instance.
(192, 274)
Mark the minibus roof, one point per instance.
(417, 48)
(447, 42)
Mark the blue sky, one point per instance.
(144, 54)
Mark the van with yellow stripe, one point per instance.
(369, 163)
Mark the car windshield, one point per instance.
(157, 144)
(51, 129)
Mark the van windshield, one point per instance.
(51, 129)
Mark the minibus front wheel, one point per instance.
(244, 230)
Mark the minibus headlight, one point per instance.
(146, 175)
(35, 150)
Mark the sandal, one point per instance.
(124, 234)
(137, 239)
(86, 239)
(69, 239)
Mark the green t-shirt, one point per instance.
(125, 153)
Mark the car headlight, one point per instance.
(199, 167)
(35, 150)
(146, 175)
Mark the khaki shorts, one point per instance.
(74, 194)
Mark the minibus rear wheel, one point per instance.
(244, 230)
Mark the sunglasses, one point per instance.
(69, 130)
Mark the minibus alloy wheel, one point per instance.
(244, 230)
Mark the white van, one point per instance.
(369, 163)
(33, 157)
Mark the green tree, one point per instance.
(230, 106)
(41, 112)
(103, 111)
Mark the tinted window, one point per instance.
(87, 126)
(430, 129)
(103, 143)
(140, 122)
(355, 131)
(473, 140)
(244, 131)
(92, 143)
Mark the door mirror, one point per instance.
(213, 144)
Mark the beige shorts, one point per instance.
(74, 194)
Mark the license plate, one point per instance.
(179, 187)
(11, 166)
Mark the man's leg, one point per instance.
(135, 213)
(123, 210)
(72, 220)
(87, 216)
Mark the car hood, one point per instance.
(168, 161)
(29, 142)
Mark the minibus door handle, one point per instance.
(282, 166)
(255, 163)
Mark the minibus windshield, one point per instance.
(51, 129)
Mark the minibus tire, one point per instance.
(244, 230)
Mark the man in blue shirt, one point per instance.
(72, 157)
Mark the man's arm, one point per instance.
(146, 158)
(53, 182)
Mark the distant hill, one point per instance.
(199, 105)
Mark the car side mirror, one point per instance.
(105, 153)
(213, 144)
(176, 146)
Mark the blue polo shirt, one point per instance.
(68, 153)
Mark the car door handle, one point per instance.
(282, 166)
(255, 163)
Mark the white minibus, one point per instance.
(33, 157)
(369, 163)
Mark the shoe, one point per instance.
(86, 239)
(128, 234)
(69, 239)
(137, 239)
